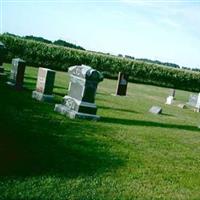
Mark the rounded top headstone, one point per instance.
(85, 72)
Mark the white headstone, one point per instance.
(169, 100)
(155, 110)
(198, 101)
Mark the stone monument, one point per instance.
(198, 101)
(44, 86)
(169, 100)
(172, 93)
(17, 73)
(2, 57)
(122, 84)
(193, 99)
(80, 102)
(155, 110)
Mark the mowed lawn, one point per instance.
(128, 154)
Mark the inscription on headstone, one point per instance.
(44, 86)
(155, 110)
(17, 73)
(122, 84)
(80, 102)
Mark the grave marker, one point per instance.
(2, 57)
(155, 110)
(44, 86)
(172, 93)
(17, 73)
(169, 100)
(80, 102)
(193, 98)
(122, 84)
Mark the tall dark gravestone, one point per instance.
(172, 93)
(122, 84)
(45, 84)
(80, 102)
(2, 57)
(17, 73)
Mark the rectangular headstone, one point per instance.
(155, 110)
(169, 100)
(198, 101)
(193, 98)
(45, 84)
(17, 73)
(81, 96)
(172, 93)
(122, 84)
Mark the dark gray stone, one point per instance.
(122, 84)
(45, 84)
(17, 73)
(80, 102)
(155, 110)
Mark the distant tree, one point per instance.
(39, 39)
(120, 55)
(130, 57)
(67, 44)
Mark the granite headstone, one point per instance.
(80, 102)
(44, 86)
(122, 84)
(17, 73)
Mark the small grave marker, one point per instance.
(155, 110)
(169, 100)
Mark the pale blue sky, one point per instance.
(163, 30)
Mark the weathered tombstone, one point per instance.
(80, 102)
(17, 73)
(155, 110)
(2, 57)
(193, 100)
(198, 101)
(122, 84)
(44, 86)
(172, 93)
(169, 100)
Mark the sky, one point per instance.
(168, 30)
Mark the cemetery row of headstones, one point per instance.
(80, 101)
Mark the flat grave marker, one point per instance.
(155, 110)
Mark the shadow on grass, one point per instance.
(148, 124)
(36, 141)
(118, 109)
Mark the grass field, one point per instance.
(128, 154)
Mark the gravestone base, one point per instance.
(41, 97)
(64, 110)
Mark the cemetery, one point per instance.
(50, 150)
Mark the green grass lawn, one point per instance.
(128, 154)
